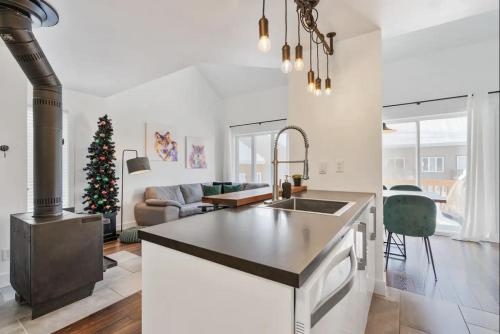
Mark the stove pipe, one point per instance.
(16, 19)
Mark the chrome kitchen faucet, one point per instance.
(276, 188)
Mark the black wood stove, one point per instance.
(56, 256)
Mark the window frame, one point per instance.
(435, 162)
(252, 135)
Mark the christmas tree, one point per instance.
(101, 194)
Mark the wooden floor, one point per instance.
(123, 317)
(117, 246)
(467, 272)
(467, 275)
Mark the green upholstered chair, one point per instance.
(406, 187)
(413, 216)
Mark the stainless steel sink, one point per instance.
(334, 208)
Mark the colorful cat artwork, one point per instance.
(165, 146)
(197, 157)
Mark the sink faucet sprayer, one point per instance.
(276, 190)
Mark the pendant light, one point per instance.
(317, 88)
(286, 65)
(299, 61)
(264, 44)
(310, 75)
(328, 81)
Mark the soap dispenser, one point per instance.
(287, 188)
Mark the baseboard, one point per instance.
(4, 279)
(380, 287)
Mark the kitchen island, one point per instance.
(256, 269)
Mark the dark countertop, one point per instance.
(282, 246)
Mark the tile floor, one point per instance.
(409, 313)
(119, 282)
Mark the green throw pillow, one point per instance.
(211, 190)
(231, 188)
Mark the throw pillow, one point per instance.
(211, 190)
(231, 188)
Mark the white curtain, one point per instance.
(481, 221)
(228, 168)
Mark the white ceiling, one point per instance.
(470, 30)
(232, 80)
(104, 47)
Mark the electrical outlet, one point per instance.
(5, 255)
(340, 166)
(323, 167)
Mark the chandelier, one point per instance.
(307, 18)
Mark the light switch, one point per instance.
(323, 167)
(340, 166)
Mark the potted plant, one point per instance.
(297, 180)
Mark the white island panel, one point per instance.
(184, 294)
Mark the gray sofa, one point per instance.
(167, 203)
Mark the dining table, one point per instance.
(433, 196)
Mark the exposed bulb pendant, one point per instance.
(328, 81)
(299, 61)
(264, 44)
(317, 87)
(310, 81)
(328, 86)
(286, 64)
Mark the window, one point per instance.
(461, 163)
(65, 161)
(254, 157)
(396, 163)
(433, 164)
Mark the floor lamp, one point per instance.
(137, 165)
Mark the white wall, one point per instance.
(187, 102)
(448, 72)
(257, 106)
(13, 87)
(346, 125)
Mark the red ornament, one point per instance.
(102, 158)
(104, 192)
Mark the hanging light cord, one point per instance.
(327, 67)
(263, 7)
(298, 25)
(317, 58)
(286, 22)
(310, 51)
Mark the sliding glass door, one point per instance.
(443, 151)
(400, 154)
(439, 145)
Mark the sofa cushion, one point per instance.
(191, 192)
(162, 202)
(250, 186)
(211, 190)
(165, 193)
(190, 209)
(231, 188)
